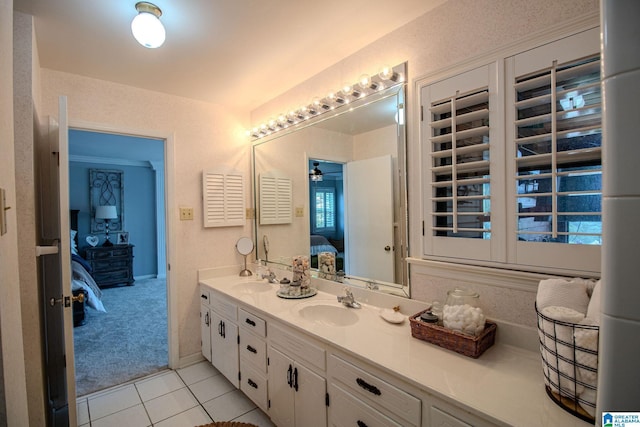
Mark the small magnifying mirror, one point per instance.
(244, 245)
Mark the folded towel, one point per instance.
(563, 293)
(558, 352)
(587, 362)
(593, 310)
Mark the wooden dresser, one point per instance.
(111, 265)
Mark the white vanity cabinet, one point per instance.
(297, 388)
(224, 337)
(362, 397)
(253, 357)
(205, 323)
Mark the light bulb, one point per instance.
(387, 73)
(148, 30)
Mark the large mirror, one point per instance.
(337, 184)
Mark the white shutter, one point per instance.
(223, 198)
(457, 144)
(556, 134)
(276, 199)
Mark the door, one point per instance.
(224, 347)
(55, 269)
(280, 373)
(369, 210)
(310, 398)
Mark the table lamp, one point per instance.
(106, 213)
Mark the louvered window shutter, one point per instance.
(276, 200)
(558, 153)
(223, 198)
(458, 140)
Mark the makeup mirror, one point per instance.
(244, 246)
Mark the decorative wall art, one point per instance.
(106, 188)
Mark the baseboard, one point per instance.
(146, 276)
(190, 360)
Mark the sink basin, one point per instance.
(328, 315)
(253, 287)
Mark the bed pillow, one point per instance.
(74, 247)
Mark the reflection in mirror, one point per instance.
(347, 192)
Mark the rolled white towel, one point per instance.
(587, 362)
(559, 341)
(593, 310)
(563, 293)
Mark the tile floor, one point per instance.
(191, 396)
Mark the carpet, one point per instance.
(129, 341)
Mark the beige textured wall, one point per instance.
(14, 408)
(449, 34)
(205, 135)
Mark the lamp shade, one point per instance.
(146, 26)
(106, 212)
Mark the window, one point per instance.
(458, 114)
(558, 153)
(511, 159)
(324, 209)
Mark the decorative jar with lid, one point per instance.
(461, 312)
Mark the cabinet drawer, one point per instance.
(223, 307)
(297, 346)
(253, 384)
(112, 276)
(441, 418)
(347, 410)
(252, 322)
(204, 296)
(254, 350)
(108, 252)
(376, 390)
(110, 264)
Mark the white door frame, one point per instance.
(169, 191)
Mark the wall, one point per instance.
(204, 135)
(452, 33)
(139, 211)
(26, 90)
(13, 393)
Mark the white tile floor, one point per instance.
(191, 396)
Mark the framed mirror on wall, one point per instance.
(106, 189)
(346, 191)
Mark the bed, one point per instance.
(81, 278)
(322, 244)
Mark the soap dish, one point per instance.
(392, 315)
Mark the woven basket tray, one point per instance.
(453, 340)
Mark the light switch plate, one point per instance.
(186, 214)
(251, 213)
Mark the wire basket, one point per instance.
(570, 364)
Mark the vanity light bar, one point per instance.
(365, 86)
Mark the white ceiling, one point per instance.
(237, 53)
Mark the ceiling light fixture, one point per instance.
(365, 86)
(146, 26)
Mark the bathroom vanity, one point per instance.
(315, 362)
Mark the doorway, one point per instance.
(130, 338)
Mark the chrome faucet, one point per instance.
(270, 276)
(348, 299)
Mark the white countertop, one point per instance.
(505, 384)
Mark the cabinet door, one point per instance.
(281, 400)
(224, 347)
(311, 390)
(205, 331)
